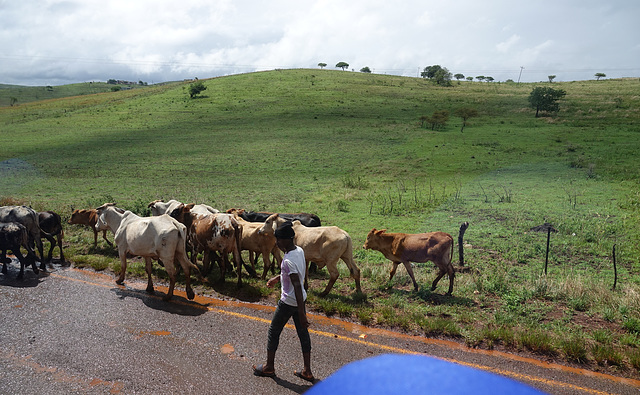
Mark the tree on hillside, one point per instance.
(480, 78)
(469, 78)
(465, 113)
(438, 74)
(430, 71)
(546, 99)
(196, 88)
(437, 120)
(342, 65)
(551, 78)
(489, 79)
(458, 76)
(322, 65)
(365, 69)
(600, 75)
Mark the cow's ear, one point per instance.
(381, 231)
(190, 206)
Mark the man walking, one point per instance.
(291, 304)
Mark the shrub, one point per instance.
(634, 359)
(196, 88)
(604, 353)
(632, 325)
(574, 348)
(536, 341)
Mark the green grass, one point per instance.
(350, 148)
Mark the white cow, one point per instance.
(324, 245)
(159, 207)
(162, 238)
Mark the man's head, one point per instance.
(284, 236)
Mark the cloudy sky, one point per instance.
(52, 42)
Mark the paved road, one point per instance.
(75, 331)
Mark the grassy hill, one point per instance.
(17, 95)
(350, 147)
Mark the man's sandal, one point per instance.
(302, 376)
(259, 371)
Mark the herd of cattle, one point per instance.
(177, 231)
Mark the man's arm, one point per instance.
(273, 281)
(297, 289)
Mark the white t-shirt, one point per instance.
(292, 262)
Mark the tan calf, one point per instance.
(422, 247)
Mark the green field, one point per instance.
(350, 147)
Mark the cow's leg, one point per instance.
(23, 260)
(353, 269)
(40, 247)
(452, 275)
(148, 265)
(393, 270)
(266, 259)
(183, 261)
(277, 258)
(441, 273)
(171, 272)
(206, 261)
(123, 267)
(222, 265)
(52, 241)
(95, 237)
(104, 236)
(333, 276)
(4, 260)
(407, 265)
(239, 262)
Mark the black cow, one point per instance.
(306, 219)
(13, 236)
(29, 218)
(51, 224)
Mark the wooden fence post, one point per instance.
(546, 259)
(615, 269)
(463, 228)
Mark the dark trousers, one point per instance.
(280, 317)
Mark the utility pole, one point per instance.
(521, 68)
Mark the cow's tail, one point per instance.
(353, 269)
(355, 272)
(451, 253)
(182, 234)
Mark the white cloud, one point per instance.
(48, 42)
(505, 46)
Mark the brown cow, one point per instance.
(422, 247)
(324, 245)
(261, 243)
(51, 224)
(89, 218)
(212, 234)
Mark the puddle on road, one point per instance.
(227, 349)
